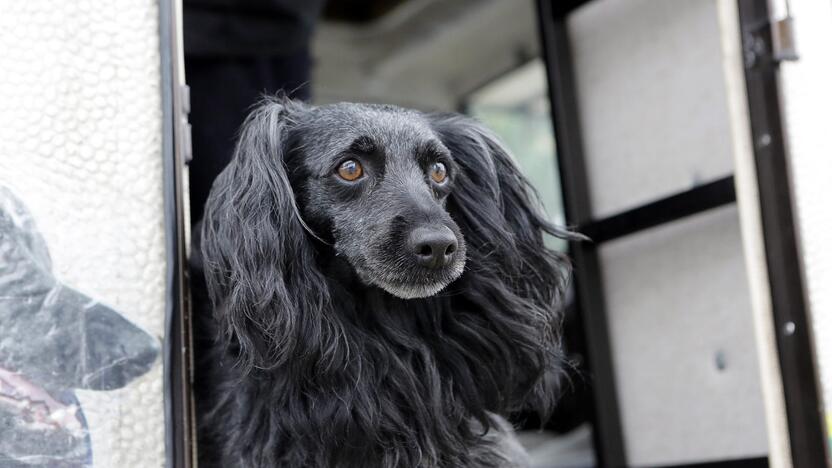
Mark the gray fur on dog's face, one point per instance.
(372, 219)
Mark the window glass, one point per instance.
(516, 107)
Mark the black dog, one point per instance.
(382, 290)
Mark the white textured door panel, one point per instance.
(81, 166)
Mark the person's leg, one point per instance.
(222, 92)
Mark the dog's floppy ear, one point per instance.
(490, 193)
(500, 215)
(259, 265)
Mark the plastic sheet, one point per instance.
(53, 340)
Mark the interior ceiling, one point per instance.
(420, 53)
(358, 11)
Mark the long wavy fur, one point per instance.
(315, 373)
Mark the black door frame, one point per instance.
(792, 331)
(179, 441)
(795, 349)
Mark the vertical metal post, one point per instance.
(608, 437)
(795, 350)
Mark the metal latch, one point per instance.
(770, 41)
(184, 125)
(782, 40)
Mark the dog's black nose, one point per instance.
(433, 246)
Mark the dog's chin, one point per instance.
(410, 289)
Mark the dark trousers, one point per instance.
(223, 91)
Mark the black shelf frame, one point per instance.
(795, 350)
(671, 208)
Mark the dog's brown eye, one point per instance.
(350, 170)
(438, 172)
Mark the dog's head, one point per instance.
(374, 182)
(407, 200)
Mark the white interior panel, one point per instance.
(80, 146)
(651, 98)
(683, 345)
